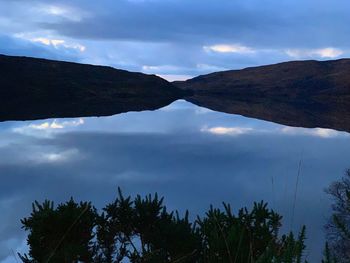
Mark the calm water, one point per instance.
(191, 155)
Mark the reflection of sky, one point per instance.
(191, 155)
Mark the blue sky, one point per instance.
(176, 39)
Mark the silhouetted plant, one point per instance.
(327, 255)
(142, 230)
(338, 226)
(62, 234)
(247, 237)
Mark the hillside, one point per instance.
(299, 93)
(33, 88)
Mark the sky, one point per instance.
(176, 39)
(182, 151)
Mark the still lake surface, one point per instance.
(193, 156)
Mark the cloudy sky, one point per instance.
(176, 38)
(191, 155)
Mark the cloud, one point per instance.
(68, 155)
(16, 46)
(141, 152)
(159, 68)
(318, 132)
(257, 24)
(224, 48)
(127, 34)
(65, 12)
(173, 77)
(285, 130)
(46, 128)
(142, 163)
(233, 131)
(55, 43)
(321, 53)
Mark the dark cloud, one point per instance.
(167, 37)
(267, 24)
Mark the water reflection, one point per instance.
(191, 155)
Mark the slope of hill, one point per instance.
(298, 93)
(36, 88)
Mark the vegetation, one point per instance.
(143, 230)
(338, 226)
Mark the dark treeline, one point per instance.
(141, 229)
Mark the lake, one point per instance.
(191, 155)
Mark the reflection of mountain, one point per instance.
(301, 93)
(36, 88)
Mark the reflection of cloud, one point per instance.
(54, 157)
(175, 77)
(48, 126)
(233, 131)
(286, 130)
(322, 53)
(318, 132)
(36, 169)
(200, 110)
(224, 48)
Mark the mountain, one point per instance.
(299, 93)
(33, 88)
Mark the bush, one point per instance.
(142, 230)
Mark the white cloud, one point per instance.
(60, 11)
(50, 41)
(47, 127)
(233, 131)
(322, 53)
(54, 157)
(56, 43)
(159, 69)
(226, 48)
(57, 125)
(317, 132)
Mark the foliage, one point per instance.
(247, 237)
(142, 230)
(62, 234)
(327, 255)
(338, 226)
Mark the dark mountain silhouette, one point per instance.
(36, 88)
(300, 93)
